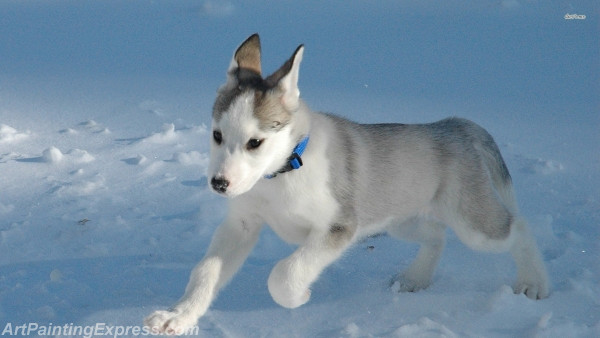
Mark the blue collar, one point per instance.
(294, 161)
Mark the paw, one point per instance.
(532, 290)
(171, 322)
(290, 300)
(285, 290)
(533, 282)
(402, 283)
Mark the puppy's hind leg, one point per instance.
(489, 221)
(532, 278)
(431, 236)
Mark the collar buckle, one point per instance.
(294, 161)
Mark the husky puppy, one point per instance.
(323, 182)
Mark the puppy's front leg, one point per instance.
(291, 278)
(230, 245)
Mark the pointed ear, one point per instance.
(247, 56)
(286, 80)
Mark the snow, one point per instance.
(104, 118)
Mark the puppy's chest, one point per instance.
(292, 211)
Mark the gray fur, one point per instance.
(344, 185)
(458, 149)
(269, 113)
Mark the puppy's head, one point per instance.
(251, 120)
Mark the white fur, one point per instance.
(305, 207)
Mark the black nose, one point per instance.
(219, 184)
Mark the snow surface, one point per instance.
(104, 116)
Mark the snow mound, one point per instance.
(167, 135)
(9, 134)
(80, 156)
(52, 155)
(85, 187)
(191, 158)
